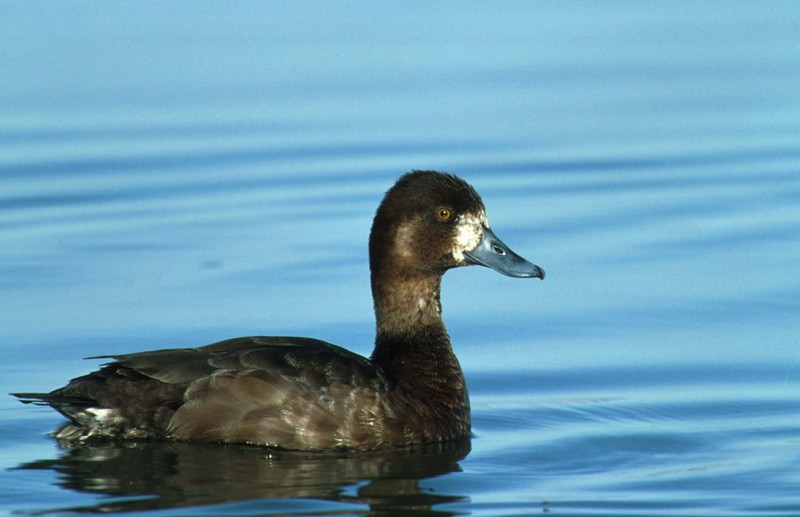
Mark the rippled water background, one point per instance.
(172, 174)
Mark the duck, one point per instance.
(304, 394)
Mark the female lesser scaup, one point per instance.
(306, 394)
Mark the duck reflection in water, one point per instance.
(177, 474)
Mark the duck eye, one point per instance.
(444, 214)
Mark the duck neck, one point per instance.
(407, 303)
(412, 345)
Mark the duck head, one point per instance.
(429, 222)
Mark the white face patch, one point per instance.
(469, 232)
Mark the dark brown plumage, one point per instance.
(305, 394)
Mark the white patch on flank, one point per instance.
(103, 414)
(469, 232)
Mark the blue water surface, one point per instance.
(176, 173)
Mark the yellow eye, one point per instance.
(444, 214)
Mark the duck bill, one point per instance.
(493, 253)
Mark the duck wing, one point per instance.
(296, 393)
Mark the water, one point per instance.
(175, 174)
